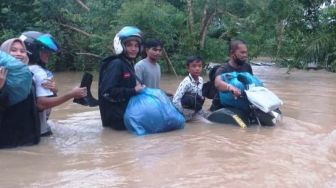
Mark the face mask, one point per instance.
(240, 62)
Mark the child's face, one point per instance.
(195, 68)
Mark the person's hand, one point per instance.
(79, 92)
(236, 92)
(50, 84)
(138, 88)
(3, 75)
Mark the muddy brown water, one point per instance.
(299, 152)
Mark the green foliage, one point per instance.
(156, 20)
(215, 50)
(294, 32)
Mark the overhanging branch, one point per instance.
(77, 29)
(83, 5)
(89, 54)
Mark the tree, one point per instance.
(294, 32)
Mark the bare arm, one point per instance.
(223, 86)
(49, 102)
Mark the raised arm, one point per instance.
(49, 102)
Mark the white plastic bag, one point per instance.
(263, 98)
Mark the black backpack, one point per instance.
(192, 101)
(209, 90)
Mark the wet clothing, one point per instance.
(226, 68)
(209, 90)
(188, 85)
(116, 87)
(3, 100)
(19, 123)
(149, 73)
(40, 76)
(3, 103)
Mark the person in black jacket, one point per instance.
(117, 80)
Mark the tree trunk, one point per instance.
(168, 62)
(190, 16)
(205, 24)
(280, 29)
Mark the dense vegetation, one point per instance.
(293, 32)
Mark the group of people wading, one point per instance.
(120, 78)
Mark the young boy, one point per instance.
(188, 98)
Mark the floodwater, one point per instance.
(299, 152)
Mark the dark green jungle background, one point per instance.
(292, 32)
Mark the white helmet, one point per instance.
(126, 33)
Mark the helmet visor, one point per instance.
(48, 42)
(129, 31)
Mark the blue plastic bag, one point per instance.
(19, 78)
(240, 80)
(151, 111)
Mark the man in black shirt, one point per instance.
(236, 63)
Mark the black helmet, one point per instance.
(36, 41)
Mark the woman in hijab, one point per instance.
(19, 123)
